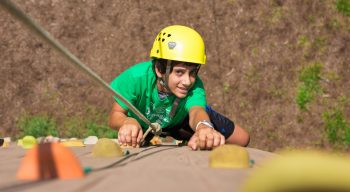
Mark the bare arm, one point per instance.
(240, 136)
(129, 130)
(118, 116)
(197, 114)
(205, 137)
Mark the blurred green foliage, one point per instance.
(93, 123)
(37, 125)
(303, 40)
(102, 131)
(308, 84)
(343, 6)
(226, 87)
(337, 128)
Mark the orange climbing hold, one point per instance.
(49, 161)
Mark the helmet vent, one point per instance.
(169, 35)
(159, 39)
(163, 40)
(157, 50)
(164, 34)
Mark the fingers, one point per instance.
(121, 137)
(139, 137)
(206, 139)
(134, 134)
(129, 135)
(202, 139)
(193, 142)
(222, 140)
(217, 140)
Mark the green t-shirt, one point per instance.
(138, 85)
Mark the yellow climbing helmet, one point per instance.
(179, 43)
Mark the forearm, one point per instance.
(197, 114)
(205, 137)
(118, 119)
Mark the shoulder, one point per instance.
(136, 72)
(198, 86)
(196, 96)
(199, 82)
(140, 68)
(197, 89)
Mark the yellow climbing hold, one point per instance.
(73, 143)
(301, 170)
(106, 148)
(229, 156)
(156, 140)
(29, 142)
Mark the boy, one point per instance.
(167, 90)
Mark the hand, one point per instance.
(206, 138)
(130, 133)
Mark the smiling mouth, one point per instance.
(183, 90)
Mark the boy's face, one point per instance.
(182, 78)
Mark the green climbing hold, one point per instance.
(28, 142)
(229, 156)
(106, 148)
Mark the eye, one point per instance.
(179, 72)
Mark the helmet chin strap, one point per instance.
(165, 83)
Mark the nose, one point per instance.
(186, 81)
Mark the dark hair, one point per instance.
(160, 64)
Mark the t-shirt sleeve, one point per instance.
(125, 86)
(197, 96)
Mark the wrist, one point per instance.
(204, 122)
(130, 120)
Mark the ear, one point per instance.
(158, 73)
